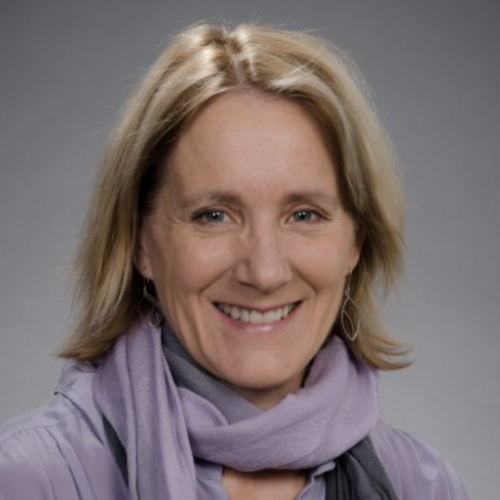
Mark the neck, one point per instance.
(264, 484)
(268, 397)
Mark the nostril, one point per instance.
(263, 262)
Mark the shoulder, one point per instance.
(416, 470)
(58, 451)
(30, 457)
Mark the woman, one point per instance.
(228, 340)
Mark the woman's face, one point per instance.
(248, 243)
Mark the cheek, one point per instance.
(188, 265)
(324, 262)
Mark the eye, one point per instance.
(307, 216)
(211, 217)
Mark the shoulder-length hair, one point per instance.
(201, 63)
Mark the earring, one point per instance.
(155, 317)
(350, 328)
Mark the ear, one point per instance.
(142, 260)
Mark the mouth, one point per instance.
(254, 316)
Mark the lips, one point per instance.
(254, 316)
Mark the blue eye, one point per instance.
(306, 216)
(211, 216)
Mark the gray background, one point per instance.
(66, 68)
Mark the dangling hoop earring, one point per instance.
(349, 326)
(155, 317)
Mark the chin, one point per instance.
(262, 386)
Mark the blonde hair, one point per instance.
(201, 63)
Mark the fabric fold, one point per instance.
(135, 391)
(164, 427)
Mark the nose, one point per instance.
(263, 263)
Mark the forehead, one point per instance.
(246, 137)
(246, 114)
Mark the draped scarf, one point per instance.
(163, 426)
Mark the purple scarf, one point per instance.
(163, 427)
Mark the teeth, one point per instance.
(268, 317)
(255, 317)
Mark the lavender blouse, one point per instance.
(61, 452)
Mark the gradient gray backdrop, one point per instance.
(66, 67)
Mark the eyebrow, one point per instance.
(209, 197)
(230, 198)
(315, 196)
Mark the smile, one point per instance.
(256, 317)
